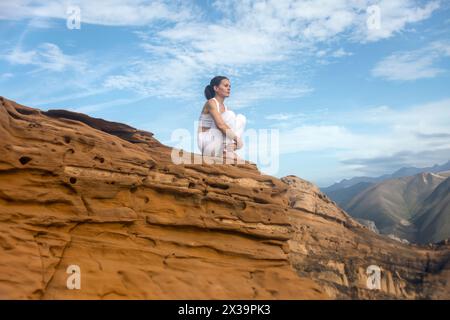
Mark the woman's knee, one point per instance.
(241, 122)
(241, 118)
(214, 145)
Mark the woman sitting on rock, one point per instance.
(220, 130)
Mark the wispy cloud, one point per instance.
(341, 53)
(395, 16)
(413, 65)
(101, 12)
(324, 20)
(386, 164)
(62, 77)
(291, 120)
(7, 75)
(251, 37)
(91, 108)
(400, 137)
(161, 78)
(329, 55)
(271, 83)
(245, 38)
(284, 116)
(46, 57)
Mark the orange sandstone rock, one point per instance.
(106, 197)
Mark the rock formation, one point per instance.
(106, 197)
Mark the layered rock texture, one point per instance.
(106, 197)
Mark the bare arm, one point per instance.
(221, 125)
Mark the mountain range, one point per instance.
(402, 172)
(411, 207)
(434, 214)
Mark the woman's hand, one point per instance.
(239, 143)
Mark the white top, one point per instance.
(206, 120)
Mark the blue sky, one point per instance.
(347, 97)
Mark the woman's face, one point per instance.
(223, 89)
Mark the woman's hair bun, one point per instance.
(209, 89)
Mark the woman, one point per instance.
(220, 129)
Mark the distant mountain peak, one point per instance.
(402, 172)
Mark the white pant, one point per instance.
(211, 142)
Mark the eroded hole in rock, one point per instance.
(133, 189)
(262, 201)
(191, 185)
(34, 125)
(24, 160)
(146, 199)
(219, 186)
(67, 139)
(25, 111)
(73, 180)
(151, 164)
(99, 159)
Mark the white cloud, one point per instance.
(390, 135)
(246, 38)
(47, 56)
(286, 120)
(321, 20)
(41, 23)
(58, 77)
(102, 12)
(395, 15)
(341, 53)
(269, 84)
(413, 65)
(258, 38)
(188, 54)
(330, 55)
(162, 78)
(315, 138)
(7, 75)
(284, 116)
